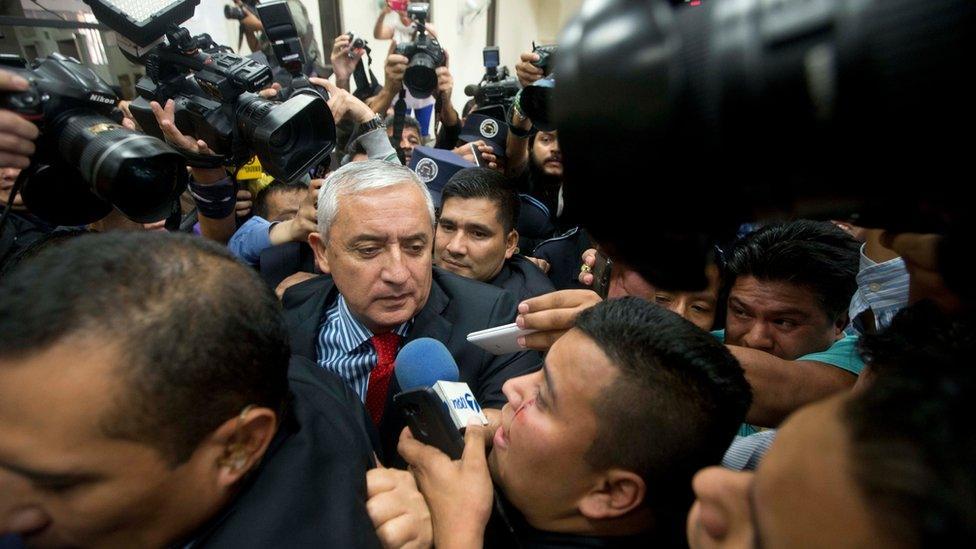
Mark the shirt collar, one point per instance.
(359, 333)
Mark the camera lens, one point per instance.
(137, 173)
(421, 75)
(536, 101)
(289, 138)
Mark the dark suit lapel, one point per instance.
(311, 312)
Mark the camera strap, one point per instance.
(399, 113)
(197, 160)
(365, 85)
(13, 196)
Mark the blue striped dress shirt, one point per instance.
(344, 346)
(882, 288)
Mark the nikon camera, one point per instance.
(86, 161)
(425, 55)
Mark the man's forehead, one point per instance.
(58, 397)
(773, 294)
(576, 364)
(462, 209)
(400, 199)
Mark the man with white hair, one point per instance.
(374, 243)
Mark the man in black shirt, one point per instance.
(599, 447)
(147, 400)
(476, 235)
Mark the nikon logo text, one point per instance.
(101, 99)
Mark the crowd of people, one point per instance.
(230, 383)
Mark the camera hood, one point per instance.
(294, 136)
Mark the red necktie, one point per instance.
(379, 379)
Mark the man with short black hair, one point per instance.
(476, 235)
(789, 287)
(599, 447)
(147, 400)
(409, 137)
(280, 200)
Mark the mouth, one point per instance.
(453, 263)
(394, 298)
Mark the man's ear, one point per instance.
(319, 249)
(241, 442)
(616, 493)
(511, 243)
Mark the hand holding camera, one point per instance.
(345, 56)
(17, 135)
(344, 104)
(527, 69)
(166, 118)
(396, 68)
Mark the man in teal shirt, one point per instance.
(789, 289)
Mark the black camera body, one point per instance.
(501, 92)
(86, 161)
(356, 43)
(545, 54)
(220, 105)
(425, 55)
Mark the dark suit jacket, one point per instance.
(456, 307)
(521, 277)
(310, 488)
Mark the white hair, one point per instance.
(360, 177)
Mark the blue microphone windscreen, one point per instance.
(422, 363)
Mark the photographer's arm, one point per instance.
(342, 64)
(382, 31)
(212, 188)
(516, 147)
(345, 105)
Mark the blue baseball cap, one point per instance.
(435, 167)
(492, 131)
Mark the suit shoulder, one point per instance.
(457, 286)
(298, 294)
(474, 298)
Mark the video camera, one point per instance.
(425, 55)
(215, 94)
(86, 161)
(496, 86)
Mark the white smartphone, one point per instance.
(500, 340)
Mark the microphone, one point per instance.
(425, 365)
(438, 406)
(471, 89)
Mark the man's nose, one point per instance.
(759, 337)
(456, 245)
(516, 388)
(679, 306)
(395, 270)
